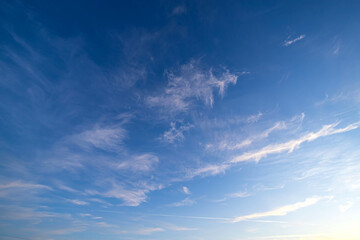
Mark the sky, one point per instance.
(169, 120)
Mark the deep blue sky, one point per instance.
(179, 120)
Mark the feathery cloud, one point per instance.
(107, 138)
(185, 202)
(131, 196)
(175, 134)
(77, 202)
(209, 170)
(148, 231)
(190, 83)
(255, 117)
(281, 211)
(291, 145)
(20, 184)
(140, 163)
(230, 140)
(292, 41)
(240, 194)
(250, 140)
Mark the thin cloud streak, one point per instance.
(291, 145)
(186, 202)
(281, 211)
(209, 170)
(289, 42)
(148, 231)
(140, 163)
(231, 141)
(20, 184)
(77, 202)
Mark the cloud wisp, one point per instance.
(281, 211)
(185, 202)
(189, 83)
(257, 155)
(23, 185)
(292, 41)
(277, 126)
(107, 138)
(175, 134)
(291, 145)
(139, 163)
(231, 141)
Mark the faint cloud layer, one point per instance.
(175, 134)
(189, 83)
(179, 10)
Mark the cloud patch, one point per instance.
(140, 163)
(291, 145)
(189, 83)
(175, 134)
(292, 41)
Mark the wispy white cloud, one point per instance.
(97, 200)
(106, 225)
(107, 138)
(190, 83)
(104, 136)
(208, 170)
(131, 196)
(175, 134)
(214, 169)
(292, 41)
(179, 228)
(281, 211)
(255, 117)
(240, 194)
(77, 202)
(148, 231)
(291, 145)
(14, 212)
(20, 184)
(67, 188)
(17, 189)
(140, 163)
(250, 140)
(185, 202)
(231, 140)
(332, 99)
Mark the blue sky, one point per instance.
(179, 120)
